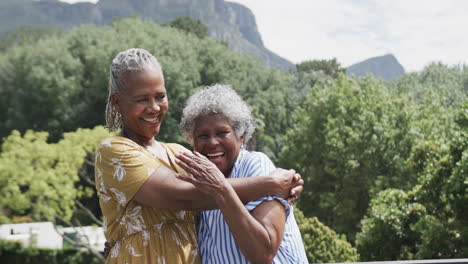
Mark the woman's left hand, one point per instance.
(202, 173)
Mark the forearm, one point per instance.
(252, 238)
(187, 197)
(247, 189)
(252, 188)
(164, 190)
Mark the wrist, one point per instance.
(220, 194)
(272, 186)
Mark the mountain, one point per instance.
(386, 67)
(229, 22)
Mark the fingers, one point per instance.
(107, 248)
(291, 199)
(296, 177)
(186, 178)
(194, 160)
(297, 190)
(196, 153)
(185, 157)
(186, 161)
(185, 166)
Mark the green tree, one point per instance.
(26, 35)
(190, 25)
(39, 179)
(331, 67)
(322, 244)
(38, 84)
(386, 232)
(60, 84)
(349, 140)
(435, 80)
(430, 220)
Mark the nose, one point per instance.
(153, 106)
(212, 141)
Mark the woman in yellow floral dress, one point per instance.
(148, 213)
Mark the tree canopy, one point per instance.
(385, 163)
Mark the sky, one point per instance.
(417, 32)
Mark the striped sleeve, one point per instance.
(258, 164)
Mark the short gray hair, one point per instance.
(218, 99)
(131, 60)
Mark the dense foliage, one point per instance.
(38, 180)
(429, 220)
(11, 252)
(385, 163)
(59, 84)
(190, 25)
(322, 244)
(329, 67)
(349, 140)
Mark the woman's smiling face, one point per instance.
(215, 138)
(143, 104)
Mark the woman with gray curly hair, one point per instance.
(217, 122)
(147, 211)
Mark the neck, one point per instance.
(140, 140)
(228, 173)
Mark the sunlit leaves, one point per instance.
(39, 179)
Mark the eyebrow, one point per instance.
(144, 95)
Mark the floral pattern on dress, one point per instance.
(98, 157)
(132, 252)
(119, 196)
(139, 234)
(115, 250)
(119, 170)
(102, 193)
(106, 143)
(133, 220)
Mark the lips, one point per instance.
(153, 120)
(215, 157)
(215, 154)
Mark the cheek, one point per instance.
(164, 107)
(197, 146)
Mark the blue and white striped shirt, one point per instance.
(217, 245)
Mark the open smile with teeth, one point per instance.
(215, 156)
(152, 119)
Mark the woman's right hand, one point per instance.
(288, 184)
(202, 173)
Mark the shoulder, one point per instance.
(250, 157)
(253, 163)
(174, 147)
(118, 147)
(117, 142)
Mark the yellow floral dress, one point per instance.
(140, 234)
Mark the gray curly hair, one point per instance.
(218, 99)
(131, 60)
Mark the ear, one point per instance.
(115, 101)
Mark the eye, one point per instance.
(202, 136)
(141, 100)
(222, 133)
(160, 98)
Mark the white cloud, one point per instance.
(416, 32)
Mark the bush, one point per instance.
(12, 252)
(321, 243)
